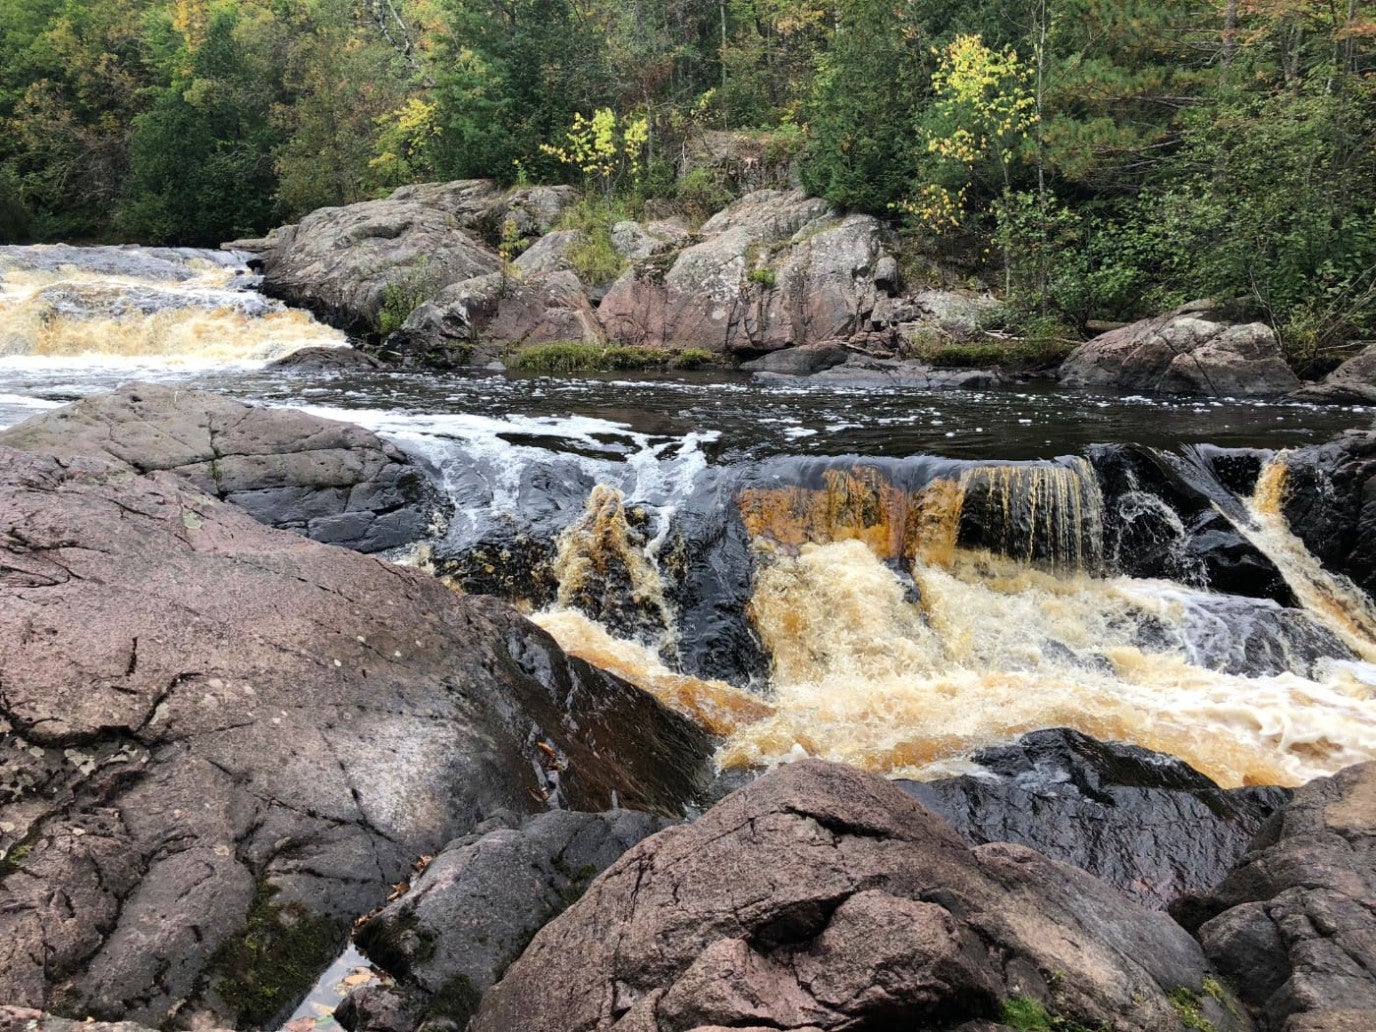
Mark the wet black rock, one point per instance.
(1162, 518)
(1145, 822)
(478, 904)
(1293, 927)
(1329, 500)
(710, 568)
(326, 360)
(329, 481)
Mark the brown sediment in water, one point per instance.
(717, 706)
(33, 325)
(992, 646)
(1329, 597)
(864, 676)
(600, 560)
(1049, 513)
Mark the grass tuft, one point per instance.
(579, 357)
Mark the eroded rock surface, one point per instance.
(480, 902)
(1294, 925)
(1197, 349)
(1146, 823)
(1352, 383)
(333, 482)
(342, 263)
(774, 269)
(221, 743)
(822, 897)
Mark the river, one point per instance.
(891, 577)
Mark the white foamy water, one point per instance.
(184, 308)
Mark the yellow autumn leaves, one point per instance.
(985, 97)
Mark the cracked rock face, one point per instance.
(346, 264)
(1294, 924)
(331, 481)
(822, 897)
(477, 906)
(772, 270)
(199, 714)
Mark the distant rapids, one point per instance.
(177, 305)
(889, 577)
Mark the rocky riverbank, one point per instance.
(463, 273)
(226, 746)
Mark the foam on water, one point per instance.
(180, 308)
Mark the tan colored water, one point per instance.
(866, 674)
(1331, 599)
(72, 314)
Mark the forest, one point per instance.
(1088, 159)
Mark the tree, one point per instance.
(201, 157)
(511, 74)
(863, 134)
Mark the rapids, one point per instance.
(889, 577)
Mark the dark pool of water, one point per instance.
(748, 420)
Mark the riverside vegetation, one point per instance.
(1094, 160)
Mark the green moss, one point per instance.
(578, 357)
(1028, 1015)
(265, 969)
(938, 349)
(1186, 1003)
(1024, 1013)
(764, 277)
(1220, 992)
(14, 859)
(456, 1002)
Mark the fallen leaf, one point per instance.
(362, 976)
(400, 889)
(300, 1025)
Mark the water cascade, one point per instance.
(913, 612)
(173, 305)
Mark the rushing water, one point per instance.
(889, 577)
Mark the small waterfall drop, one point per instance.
(178, 306)
(1331, 598)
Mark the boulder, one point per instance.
(1352, 383)
(800, 361)
(1164, 516)
(1294, 925)
(772, 270)
(25, 1019)
(822, 897)
(953, 313)
(221, 743)
(636, 242)
(346, 263)
(1146, 823)
(1329, 501)
(483, 898)
(330, 481)
(549, 253)
(327, 360)
(1196, 349)
(516, 309)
